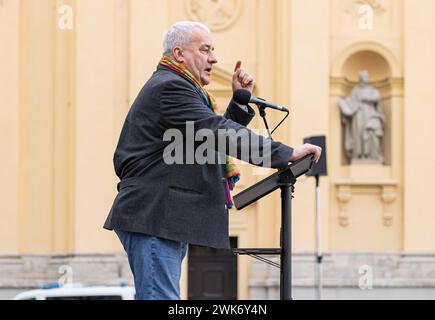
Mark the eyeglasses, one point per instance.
(206, 50)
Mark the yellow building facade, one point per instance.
(70, 70)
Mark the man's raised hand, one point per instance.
(242, 79)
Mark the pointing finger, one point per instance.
(238, 65)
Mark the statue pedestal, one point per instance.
(368, 172)
(366, 161)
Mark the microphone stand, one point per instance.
(262, 110)
(319, 253)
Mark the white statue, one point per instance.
(363, 120)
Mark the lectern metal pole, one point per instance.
(284, 179)
(286, 242)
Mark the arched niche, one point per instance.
(367, 196)
(383, 69)
(373, 62)
(376, 48)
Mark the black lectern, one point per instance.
(284, 179)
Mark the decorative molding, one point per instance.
(363, 183)
(216, 14)
(388, 194)
(388, 197)
(344, 195)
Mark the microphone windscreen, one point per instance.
(242, 96)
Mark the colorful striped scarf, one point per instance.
(232, 173)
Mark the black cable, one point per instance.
(288, 113)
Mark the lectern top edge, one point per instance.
(272, 182)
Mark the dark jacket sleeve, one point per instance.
(237, 114)
(180, 103)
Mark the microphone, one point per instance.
(244, 97)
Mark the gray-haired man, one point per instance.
(160, 208)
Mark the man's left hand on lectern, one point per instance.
(303, 150)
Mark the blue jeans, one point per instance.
(155, 263)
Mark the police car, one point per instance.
(78, 292)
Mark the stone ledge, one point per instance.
(389, 270)
(33, 271)
(344, 270)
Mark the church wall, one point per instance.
(65, 94)
(419, 132)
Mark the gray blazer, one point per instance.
(179, 202)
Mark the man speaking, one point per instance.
(160, 207)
